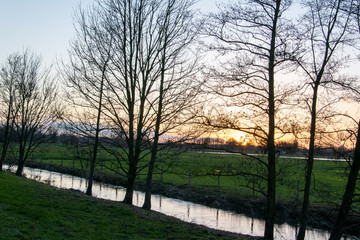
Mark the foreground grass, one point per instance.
(32, 210)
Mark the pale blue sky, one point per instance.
(44, 26)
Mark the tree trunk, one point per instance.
(96, 143)
(3, 154)
(309, 166)
(4, 149)
(271, 178)
(130, 186)
(148, 187)
(349, 193)
(129, 192)
(90, 178)
(21, 161)
(7, 135)
(20, 168)
(154, 148)
(271, 197)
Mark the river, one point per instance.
(186, 211)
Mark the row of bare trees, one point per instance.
(131, 76)
(132, 73)
(132, 80)
(260, 42)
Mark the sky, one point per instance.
(45, 26)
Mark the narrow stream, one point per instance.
(186, 211)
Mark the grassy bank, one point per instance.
(31, 210)
(225, 192)
(287, 212)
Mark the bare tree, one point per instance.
(353, 176)
(175, 94)
(34, 101)
(9, 73)
(85, 78)
(149, 77)
(254, 34)
(325, 30)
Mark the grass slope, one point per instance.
(32, 210)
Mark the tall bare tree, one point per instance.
(254, 34)
(325, 30)
(353, 176)
(85, 78)
(34, 101)
(175, 93)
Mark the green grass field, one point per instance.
(201, 171)
(32, 210)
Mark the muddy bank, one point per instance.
(286, 212)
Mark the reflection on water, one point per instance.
(186, 211)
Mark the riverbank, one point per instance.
(33, 210)
(287, 212)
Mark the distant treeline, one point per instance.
(199, 144)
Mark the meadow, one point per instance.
(222, 173)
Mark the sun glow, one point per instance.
(237, 137)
